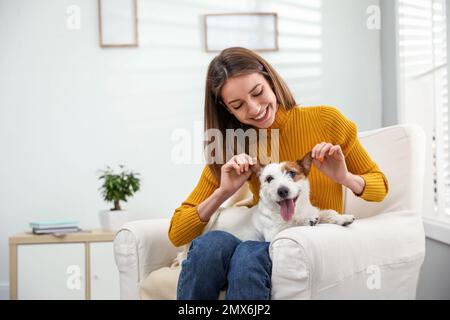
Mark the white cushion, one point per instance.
(399, 151)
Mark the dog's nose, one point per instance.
(283, 192)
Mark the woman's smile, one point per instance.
(264, 116)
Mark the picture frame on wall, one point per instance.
(257, 31)
(118, 23)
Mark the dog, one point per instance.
(284, 202)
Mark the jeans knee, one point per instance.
(253, 254)
(213, 245)
(249, 276)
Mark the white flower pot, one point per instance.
(113, 220)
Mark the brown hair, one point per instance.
(232, 62)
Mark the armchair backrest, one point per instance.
(399, 151)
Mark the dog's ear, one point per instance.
(305, 163)
(257, 168)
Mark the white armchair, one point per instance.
(377, 257)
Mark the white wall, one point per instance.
(389, 62)
(351, 58)
(68, 107)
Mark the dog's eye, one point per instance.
(292, 174)
(269, 178)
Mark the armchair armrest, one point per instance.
(139, 248)
(330, 261)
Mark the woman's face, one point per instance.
(250, 99)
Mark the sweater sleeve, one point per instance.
(185, 224)
(344, 132)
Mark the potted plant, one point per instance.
(116, 187)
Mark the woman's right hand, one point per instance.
(235, 172)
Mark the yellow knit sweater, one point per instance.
(300, 129)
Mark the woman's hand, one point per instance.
(330, 160)
(234, 173)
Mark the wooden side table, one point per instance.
(75, 266)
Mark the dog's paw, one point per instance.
(313, 221)
(310, 221)
(345, 219)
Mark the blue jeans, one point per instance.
(218, 260)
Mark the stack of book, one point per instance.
(54, 227)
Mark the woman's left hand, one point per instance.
(330, 160)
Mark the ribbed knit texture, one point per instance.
(300, 129)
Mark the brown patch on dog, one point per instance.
(257, 168)
(300, 167)
(294, 167)
(306, 163)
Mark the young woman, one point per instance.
(243, 91)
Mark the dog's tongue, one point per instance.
(287, 209)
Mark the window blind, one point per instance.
(422, 49)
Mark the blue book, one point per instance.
(56, 230)
(53, 224)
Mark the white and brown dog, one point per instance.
(284, 202)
